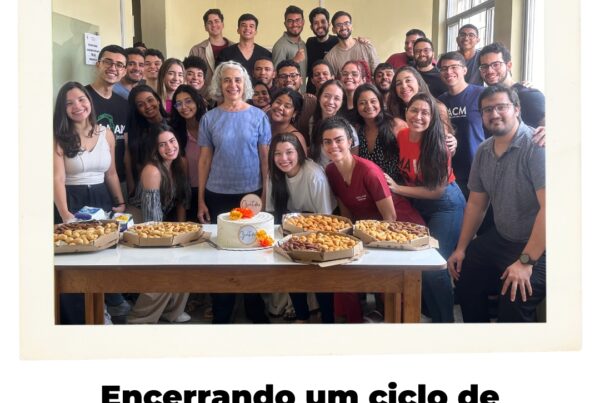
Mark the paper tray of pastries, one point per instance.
(303, 222)
(394, 235)
(152, 234)
(320, 246)
(85, 236)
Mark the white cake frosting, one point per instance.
(241, 233)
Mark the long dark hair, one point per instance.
(433, 161)
(64, 131)
(384, 122)
(177, 178)
(178, 122)
(138, 127)
(315, 140)
(297, 102)
(279, 191)
(396, 105)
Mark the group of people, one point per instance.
(318, 126)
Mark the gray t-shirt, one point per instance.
(511, 181)
(286, 49)
(308, 191)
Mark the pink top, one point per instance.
(192, 153)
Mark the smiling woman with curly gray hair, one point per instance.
(234, 144)
(215, 90)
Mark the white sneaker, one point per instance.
(182, 318)
(107, 318)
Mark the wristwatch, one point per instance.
(526, 259)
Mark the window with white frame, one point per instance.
(477, 12)
(533, 51)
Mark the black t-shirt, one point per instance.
(316, 50)
(434, 82)
(233, 53)
(533, 105)
(113, 113)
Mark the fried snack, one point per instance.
(395, 231)
(317, 222)
(82, 233)
(319, 242)
(164, 229)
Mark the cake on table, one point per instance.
(245, 228)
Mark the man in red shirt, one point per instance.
(406, 58)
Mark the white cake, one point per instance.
(241, 233)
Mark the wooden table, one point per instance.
(203, 269)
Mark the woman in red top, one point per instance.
(361, 191)
(359, 184)
(425, 166)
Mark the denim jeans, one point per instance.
(444, 218)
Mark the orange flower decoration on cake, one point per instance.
(239, 213)
(263, 238)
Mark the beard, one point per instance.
(384, 90)
(345, 35)
(503, 130)
(424, 63)
(321, 35)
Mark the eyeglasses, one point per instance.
(296, 21)
(186, 102)
(469, 35)
(494, 65)
(350, 74)
(452, 67)
(109, 63)
(416, 111)
(342, 24)
(500, 108)
(292, 76)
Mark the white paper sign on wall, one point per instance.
(92, 48)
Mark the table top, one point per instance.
(204, 254)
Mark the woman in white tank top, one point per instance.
(84, 172)
(84, 161)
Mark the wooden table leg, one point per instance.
(56, 306)
(411, 297)
(94, 309)
(393, 307)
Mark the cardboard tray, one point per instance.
(292, 229)
(416, 244)
(321, 258)
(102, 242)
(188, 238)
